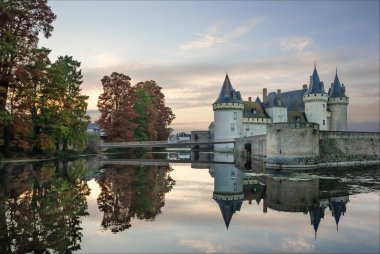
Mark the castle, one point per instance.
(235, 118)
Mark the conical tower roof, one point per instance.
(315, 86)
(227, 93)
(337, 90)
(228, 208)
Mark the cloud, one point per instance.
(215, 35)
(204, 41)
(297, 43)
(191, 88)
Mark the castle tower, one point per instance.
(315, 99)
(228, 115)
(337, 104)
(228, 190)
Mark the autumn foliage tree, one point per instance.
(129, 113)
(21, 23)
(42, 108)
(116, 107)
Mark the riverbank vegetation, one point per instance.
(43, 111)
(131, 113)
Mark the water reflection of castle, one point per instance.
(290, 194)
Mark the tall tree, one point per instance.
(147, 115)
(21, 23)
(63, 106)
(24, 98)
(116, 107)
(164, 115)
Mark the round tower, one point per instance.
(337, 104)
(228, 190)
(315, 99)
(228, 116)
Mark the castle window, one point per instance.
(235, 186)
(232, 173)
(235, 115)
(232, 127)
(324, 105)
(247, 128)
(324, 122)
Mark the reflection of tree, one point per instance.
(44, 217)
(132, 192)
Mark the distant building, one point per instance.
(182, 136)
(95, 129)
(235, 118)
(201, 135)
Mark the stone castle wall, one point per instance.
(336, 146)
(292, 143)
(303, 145)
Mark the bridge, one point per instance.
(165, 143)
(159, 162)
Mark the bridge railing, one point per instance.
(165, 142)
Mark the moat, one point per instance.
(186, 203)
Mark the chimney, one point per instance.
(249, 98)
(304, 86)
(265, 91)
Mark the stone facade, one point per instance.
(304, 146)
(235, 118)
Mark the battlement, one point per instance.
(228, 106)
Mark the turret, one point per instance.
(337, 104)
(315, 99)
(337, 206)
(228, 115)
(228, 190)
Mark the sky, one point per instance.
(187, 47)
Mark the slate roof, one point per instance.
(228, 208)
(93, 126)
(297, 116)
(293, 100)
(337, 208)
(252, 109)
(315, 86)
(228, 94)
(337, 90)
(316, 215)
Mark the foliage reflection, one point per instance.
(41, 207)
(132, 192)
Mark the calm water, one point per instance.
(152, 205)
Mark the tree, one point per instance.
(147, 115)
(63, 107)
(164, 115)
(24, 98)
(21, 23)
(117, 115)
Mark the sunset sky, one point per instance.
(187, 47)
